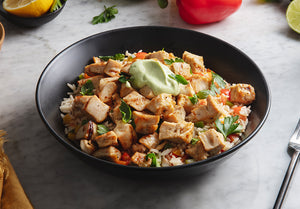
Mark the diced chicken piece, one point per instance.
(113, 68)
(138, 148)
(104, 81)
(147, 92)
(109, 153)
(197, 151)
(187, 90)
(181, 68)
(115, 114)
(136, 100)
(150, 141)
(96, 59)
(87, 146)
(242, 93)
(95, 68)
(95, 80)
(177, 115)
(96, 109)
(213, 141)
(90, 106)
(108, 139)
(162, 104)
(185, 102)
(199, 82)
(125, 90)
(159, 55)
(176, 132)
(126, 67)
(116, 99)
(145, 123)
(87, 131)
(208, 113)
(140, 159)
(106, 92)
(126, 134)
(196, 62)
(162, 145)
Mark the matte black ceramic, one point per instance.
(232, 64)
(31, 21)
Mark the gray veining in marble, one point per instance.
(54, 178)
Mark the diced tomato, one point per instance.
(140, 55)
(121, 162)
(225, 92)
(232, 137)
(237, 110)
(223, 99)
(125, 157)
(86, 76)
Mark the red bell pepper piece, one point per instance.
(206, 11)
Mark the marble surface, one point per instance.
(54, 178)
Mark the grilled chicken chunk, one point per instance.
(125, 90)
(187, 90)
(147, 92)
(176, 132)
(159, 55)
(90, 106)
(150, 141)
(138, 148)
(208, 113)
(95, 68)
(87, 131)
(113, 68)
(95, 80)
(181, 68)
(126, 134)
(197, 151)
(140, 159)
(162, 104)
(213, 141)
(199, 82)
(115, 114)
(110, 153)
(145, 123)
(136, 100)
(242, 93)
(177, 115)
(107, 89)
(108, 139)
(185, 102)
(87, 146)
(196, 62)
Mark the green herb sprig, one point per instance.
(56, 5)
(213, 88)
(171, 61)
(117, 56)
(229, 127)
(179, 79)
(102, 129)
(87, 88)
(154, 162)
(125, 111)
(107, 15)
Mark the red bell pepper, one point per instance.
(206, 11)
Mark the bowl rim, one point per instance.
(155, 169)
(2, 33)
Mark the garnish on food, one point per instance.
(102, 129)
(179, 79)
(154, 162)
(229, 127)
(56, 5)
(87, 88)
(126, 112)
(117, 56)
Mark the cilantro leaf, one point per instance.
(179, 78)
(171, 61)
(204, 94)
(194, 141)
(124, 77)
(87, 88)
(56, 5)
(152, 156)
(194, 99)
(229, 127)
(125, 111)
(219, 80)
(107, 15)
(213, 90)
(199, 124)
(102, 129)
(117, 56)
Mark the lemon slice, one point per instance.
(293, 15)
(27, 8)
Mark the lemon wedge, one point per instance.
(293, 15)
(27, 8)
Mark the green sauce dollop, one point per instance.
(155, 75)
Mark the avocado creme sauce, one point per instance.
(155, 75)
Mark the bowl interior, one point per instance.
(229, 62)
(30, 21)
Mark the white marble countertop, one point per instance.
(54, 178)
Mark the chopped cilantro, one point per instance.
(117, 56)
(102, 129)
(229, 127)
(126, 112)
(179, 78)
(87, 88)
(107, 15)
(194, 141)
(194, 99)
(154, 162)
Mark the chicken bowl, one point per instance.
(153, 100)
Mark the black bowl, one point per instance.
(226, 60)
(31, 21)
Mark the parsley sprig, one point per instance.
(154, 162)
(102, 129)
(87, 88)
(117, 56)
(107, 15)
(216, 79)
(171, 61)
(179, 78)
(229, 127)
(125, 111)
